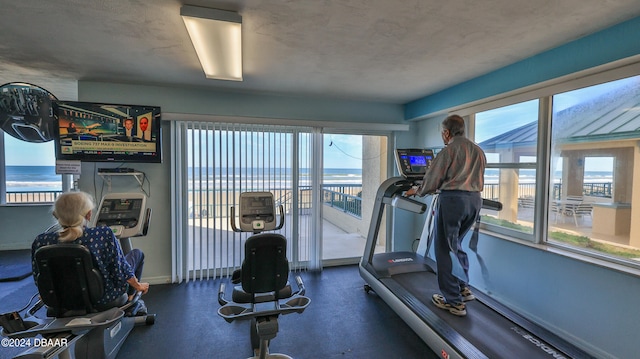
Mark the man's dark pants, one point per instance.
(456, 214)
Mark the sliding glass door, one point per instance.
(327, 203)
(353, 168)
(219, 162)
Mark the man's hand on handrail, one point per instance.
(412, 191)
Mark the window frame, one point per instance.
(525, 236)
(65, 180)
(544, 93)
(3, 172)
(599, 257)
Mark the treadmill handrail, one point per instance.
(387, 190)
(491, 204)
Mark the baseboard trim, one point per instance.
(157, 280)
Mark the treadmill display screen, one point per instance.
(413, 163)
(420, 161)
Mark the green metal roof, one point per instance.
(612, 116)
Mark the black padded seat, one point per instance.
(68, 283)
(240, 296)
(265, 270)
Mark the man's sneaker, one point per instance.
(467, 294)
(440, 302)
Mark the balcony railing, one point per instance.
(528, 190)
(346, 197)
(24, 197)
(345, 202)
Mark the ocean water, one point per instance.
(32, 178)
(257, 178)
(44, 178)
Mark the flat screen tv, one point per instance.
(97, 132)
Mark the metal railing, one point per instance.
(25, 197)
(352, 189)
(341, 196)
(598, 189)
(347, 196)
(347, 203)
(528, 190)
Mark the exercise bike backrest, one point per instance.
(68, 283)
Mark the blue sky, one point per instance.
(20, 153)
(342, 151)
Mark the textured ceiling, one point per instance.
(388, 51)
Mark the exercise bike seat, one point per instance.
(68, 283)
(265, 270)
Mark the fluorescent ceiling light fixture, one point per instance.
(217, 37)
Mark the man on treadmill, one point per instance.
(457, 173)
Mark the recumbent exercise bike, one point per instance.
(70, 286)
(264, 291)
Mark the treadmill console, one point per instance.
(124, 213)
(413, 163)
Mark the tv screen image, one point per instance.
(95, 132)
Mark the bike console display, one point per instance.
(413, 163)
(124, 213)
(257, 212)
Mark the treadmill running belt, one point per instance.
(488, 331)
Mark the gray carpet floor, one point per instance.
(342, 321)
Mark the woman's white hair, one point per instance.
(70, 209)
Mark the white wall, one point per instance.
(157, 244)
(20, 224)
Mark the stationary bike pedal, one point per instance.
(136, 310)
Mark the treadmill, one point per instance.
(407, 280)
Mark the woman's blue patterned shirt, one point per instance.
(107, 256)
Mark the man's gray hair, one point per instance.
(455, 125)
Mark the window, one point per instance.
(222, 160)
(354, 166)
(598, 176)
(215, 162)
(508, 135)
(584, 142)
(28, 171)
(594, 154)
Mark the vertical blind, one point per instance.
(215, 162)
